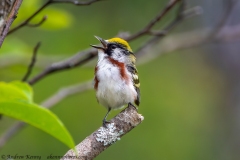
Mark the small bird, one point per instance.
(116, 77)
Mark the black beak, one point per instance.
(104, 43)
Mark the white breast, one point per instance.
(113, 91)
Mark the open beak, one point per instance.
(104, 43)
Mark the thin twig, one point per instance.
(149, 26)
(30, 18)
(39, 23)
(10, 132)
(181, 15)
(31, 65)
(26, 22)
(48, 103)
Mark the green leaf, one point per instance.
(25, 88)
(38, 117)
(16, 100)
(15, 90)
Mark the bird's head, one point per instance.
(117, 49)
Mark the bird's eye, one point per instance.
(113, 46)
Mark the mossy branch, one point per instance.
(103, 137)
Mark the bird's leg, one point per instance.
(132, 105)
(104, 119)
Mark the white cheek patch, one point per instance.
(117, 52)
(118, 55)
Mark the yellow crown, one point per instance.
(122, 42)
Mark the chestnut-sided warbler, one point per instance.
(116, 78)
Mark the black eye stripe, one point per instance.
(112, 46)
(126, 52)
(116, 45)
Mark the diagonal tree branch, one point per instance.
(181, 15)
(74, 61)
(66, 92)
(103, 137)
(149, 26)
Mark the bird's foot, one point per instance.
(130, 104)
(105, 122)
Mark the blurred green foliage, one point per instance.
(57, 18)
(16, 101)
(180, 91)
